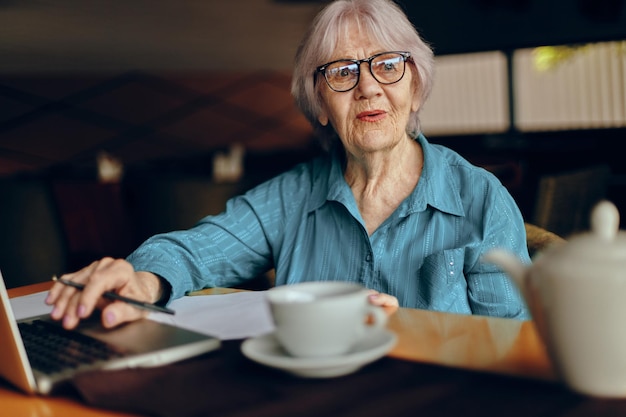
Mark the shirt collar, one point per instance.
(329, 182)
(436, 187)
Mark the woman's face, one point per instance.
(372, 116)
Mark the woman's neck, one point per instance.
(400, 164)
(381, 180)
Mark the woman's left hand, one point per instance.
(388, 302)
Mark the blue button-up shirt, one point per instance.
(305, 223)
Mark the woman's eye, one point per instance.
(388, 65)
(347, 71)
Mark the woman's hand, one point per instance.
(108, 274)
(388, 302)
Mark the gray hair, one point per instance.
(386, 23)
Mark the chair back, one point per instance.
(539, 239)
(32, 242)
(564, 201)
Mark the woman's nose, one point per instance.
(367, 85)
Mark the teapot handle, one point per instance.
(605, 220)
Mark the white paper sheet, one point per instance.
(227, 316)
(30, 305)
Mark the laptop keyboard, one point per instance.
(52, 349)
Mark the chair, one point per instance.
(95, 220)
(539, 239)
(564, 201)
(160, 205)
(166, 204)
(32, 242)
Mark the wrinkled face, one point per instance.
(372, 116)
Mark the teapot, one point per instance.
(576, 293)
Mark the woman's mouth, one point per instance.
(371, 115)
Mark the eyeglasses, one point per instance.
(386, 68)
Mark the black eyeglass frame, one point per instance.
(322, 68)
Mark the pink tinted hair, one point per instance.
(387, 24)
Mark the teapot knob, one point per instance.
(605, 220)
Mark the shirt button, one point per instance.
(368, 258)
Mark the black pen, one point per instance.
(113, 296)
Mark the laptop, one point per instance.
(142, 343)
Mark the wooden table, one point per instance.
(447, 348)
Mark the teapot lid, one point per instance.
(605, 220)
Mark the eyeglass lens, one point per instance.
(387, 68)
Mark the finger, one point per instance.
(390, 301)
(115, 276)
(60, 294)
(118, 312)
(68, 301)
(53, 293)
(71, 315)
(58, 288)
(375, 298)
(108, 274)
(387, 302)
(60, 301)
(383, 300)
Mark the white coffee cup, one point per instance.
(322, 318)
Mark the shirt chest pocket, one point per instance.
(446, 266)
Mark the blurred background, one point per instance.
(119, 120)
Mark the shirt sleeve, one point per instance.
(222, 250)
(490, 291)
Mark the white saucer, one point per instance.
(266, 350)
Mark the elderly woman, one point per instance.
(408, 219)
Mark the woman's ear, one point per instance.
(416, 83)
(415, 106)
(323, 118)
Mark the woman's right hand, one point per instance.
(108, 274)
(386, 301)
